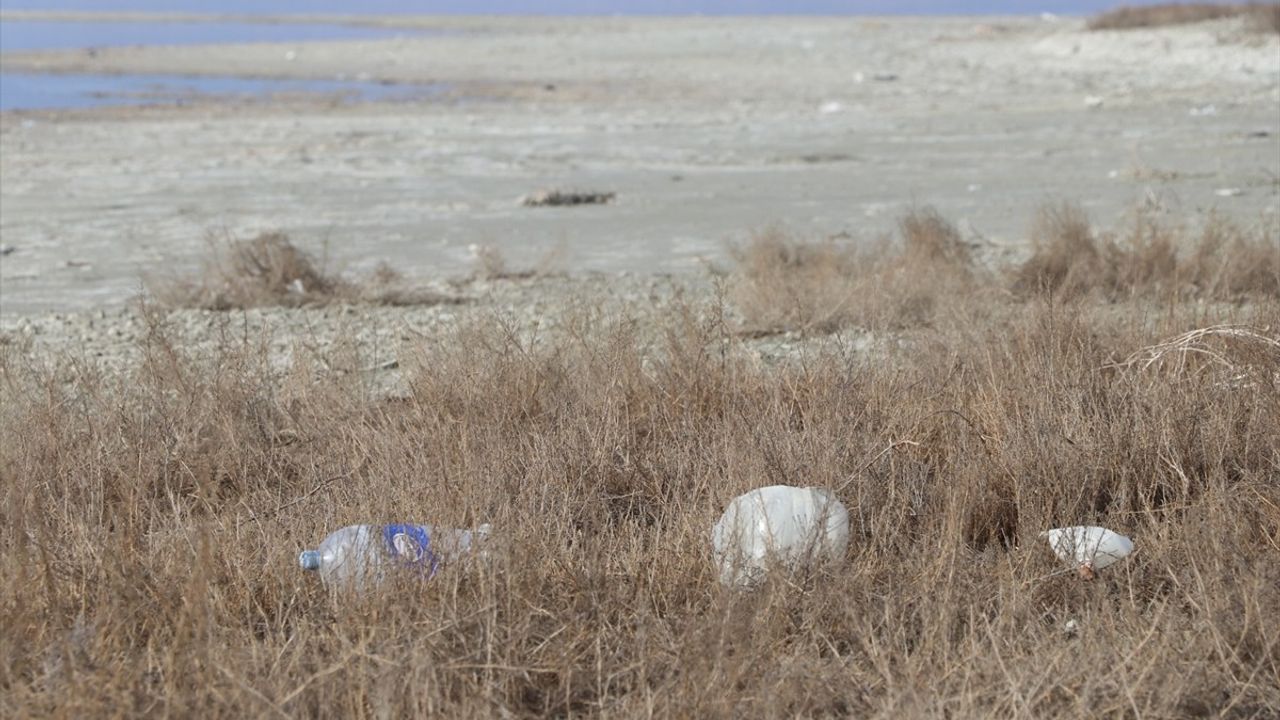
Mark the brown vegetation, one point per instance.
(151, 521)
(1070, 260)
(269, 270)
(1265, 15)
(783, 284)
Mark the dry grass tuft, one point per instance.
(929, 238)
(1066, 257)
(490, 263)
(1265, 15)
(269, 270)
(782, 284)
(779, 283)
(1070, 261)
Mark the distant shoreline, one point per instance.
(443, 20)
(175, 17)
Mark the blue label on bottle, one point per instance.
(411, 545)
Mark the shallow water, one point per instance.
(24, 35)
(26, 91)
(29, 91)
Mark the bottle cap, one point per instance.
(309, 560)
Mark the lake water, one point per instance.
(26, 91)
(20, 35)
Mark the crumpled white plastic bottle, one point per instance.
(1089, 546)
(778, 528)
(358, 557)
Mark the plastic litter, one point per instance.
(360, 556)
(1089, 547)
(778, 527)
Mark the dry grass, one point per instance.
(1148, 259)
(269, 270)
(783, 284)
(1264, 15)
(151, 522)
(1234, 355)
(490, 263)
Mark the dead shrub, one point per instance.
(779, 283)
(1065, 258)
(1230, 263)
(1266, 16)
(1068, 261)
(927, 237)
(269, 270)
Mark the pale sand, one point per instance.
(706, 129)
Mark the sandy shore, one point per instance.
(706, 129)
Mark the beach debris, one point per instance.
(360, 557)
(6, 249)
(1229, 192)
(778, 528)
(1093, 102)
(559, 198)
(1090, 547)
(831, 107)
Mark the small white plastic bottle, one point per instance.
(778, 528)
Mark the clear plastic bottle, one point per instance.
(360, 556)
